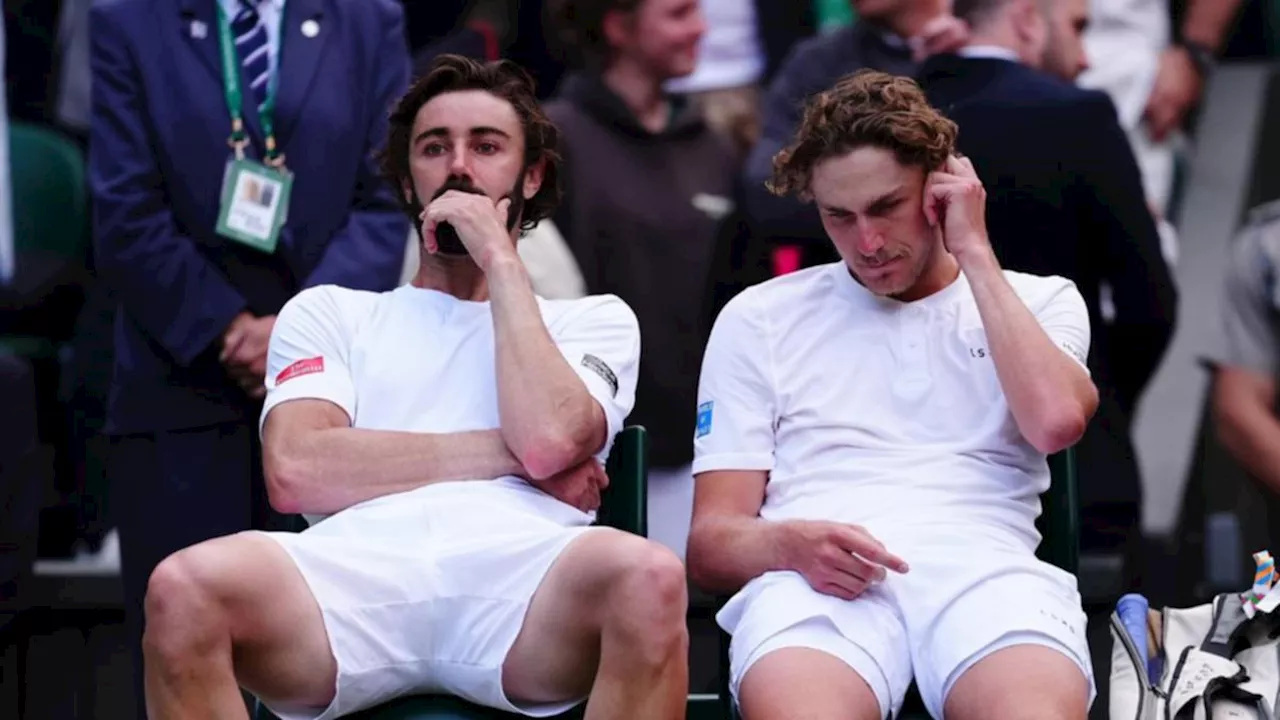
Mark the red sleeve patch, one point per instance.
(302, 367)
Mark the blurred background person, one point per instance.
(1065, 198)
(1247, 363)
(217, 197)
(744, 44)
(648, 187)
(1156, 78)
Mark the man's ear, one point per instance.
(533, 177)
(1028, 19)
(617, 26)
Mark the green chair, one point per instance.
(1059, 526)
(622, 506)
(50, 222)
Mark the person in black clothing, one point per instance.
(648, 186)
(1065, 198)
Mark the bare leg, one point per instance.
(805, 684)
(227, 613)
(1023, 682)
(609, 618)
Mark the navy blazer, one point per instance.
(1065, 197)
(157, 155)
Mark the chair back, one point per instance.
(625, 502)
(50, 195)
(1059, 521)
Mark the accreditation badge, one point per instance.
(255, 204)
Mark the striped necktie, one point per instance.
(251, 44)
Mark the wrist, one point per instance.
(1202, 55)
(503, 263)
(781, 543)
(979, 260)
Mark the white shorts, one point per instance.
(425, 592)
(954, 608)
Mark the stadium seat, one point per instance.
(50, 238)
(1059, 526)
(622, 507)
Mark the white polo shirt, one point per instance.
(875, 412)
(417, 360)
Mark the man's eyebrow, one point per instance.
(443, 132)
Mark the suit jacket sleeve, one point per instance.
(368, 252)
(177, 297)
(1119, 218)
(773, 217)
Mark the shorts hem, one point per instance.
(820, 634)
(1010, 639)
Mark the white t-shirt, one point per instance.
(417, 360)
(870, 411)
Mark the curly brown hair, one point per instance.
(503, 79)
(867, 108)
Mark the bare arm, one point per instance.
(1243, 406)
(315, 462)
(729, 544)
(549, 419)
(1206, 21)
(1050, 395)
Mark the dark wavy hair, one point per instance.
(501, 78)
(865, 109)
(575, 29)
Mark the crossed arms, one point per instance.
(551, 423)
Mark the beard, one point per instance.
(447, 240)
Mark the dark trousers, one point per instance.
(174, 489)
(24, 472)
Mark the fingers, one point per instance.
(429, 243)
(858, 541)
(232, 341)
(845, 587)
(504, 206)
(851, 565)
(1162, 118)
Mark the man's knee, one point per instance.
(648, 599)
(184, 615)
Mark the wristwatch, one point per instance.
(1201, 56)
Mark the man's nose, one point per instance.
(460, 162)
(870, 239)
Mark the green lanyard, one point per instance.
(231, 83)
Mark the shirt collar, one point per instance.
(993, 52)
(231, 7)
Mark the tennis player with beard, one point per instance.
(445, 439)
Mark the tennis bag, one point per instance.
(1211, 662)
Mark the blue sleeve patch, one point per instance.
(704, 418)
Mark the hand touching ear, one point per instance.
(956, 203)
